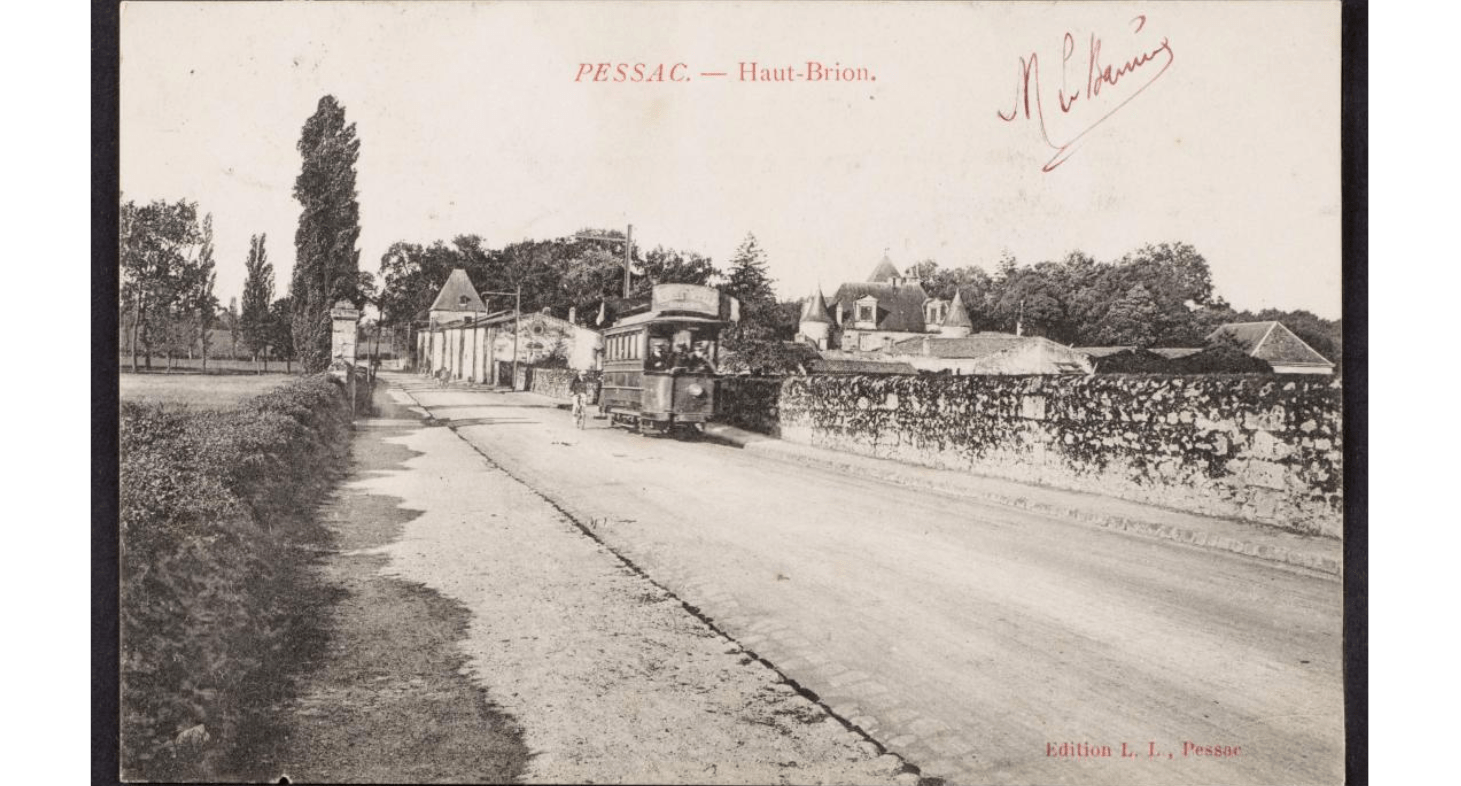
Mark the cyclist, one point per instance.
(581, 389)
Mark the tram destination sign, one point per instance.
(686, 298)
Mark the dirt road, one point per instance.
(976, 640)
(607, 678)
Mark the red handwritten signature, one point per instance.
(1098, 76)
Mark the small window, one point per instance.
(864, 313)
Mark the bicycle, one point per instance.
(580, 411)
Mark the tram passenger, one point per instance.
(700, 359)
(680, 357)
(659, 356)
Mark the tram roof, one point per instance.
(656, 317)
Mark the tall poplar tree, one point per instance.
(258, 295)
(327, 263)
(201, 299)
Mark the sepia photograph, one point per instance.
(733, 393)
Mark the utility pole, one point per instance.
(628, 255)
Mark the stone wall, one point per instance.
(750, 403)
(1254, 447)
(552, 382)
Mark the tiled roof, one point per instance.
(975, 346)
(1273, 342)
(900, 308)
(457, 294)
(1247, 334)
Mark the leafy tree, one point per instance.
(972, 284)
(326, 260)
(256, 321)
(158, 252)
(1132, 320)
(411, 275)
(668, 266)
(591, 274)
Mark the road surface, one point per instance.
(973, 639)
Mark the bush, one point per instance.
(209, 503)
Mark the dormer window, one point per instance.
(865, 311)
(935, 311)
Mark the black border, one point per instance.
(1354, 121)
(105, 142)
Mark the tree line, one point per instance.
(168, 272)
(168, 268)
(1160, 295)
(584, 274)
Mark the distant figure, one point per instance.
(659, 357)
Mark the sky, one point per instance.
(471, 120)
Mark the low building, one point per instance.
(989, 353)
(1270, 341)
(469, 344)
(1275, 344)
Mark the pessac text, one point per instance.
(1219, 751)
(632, 72)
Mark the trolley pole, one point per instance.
(517, 332)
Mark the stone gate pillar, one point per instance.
(344, 322)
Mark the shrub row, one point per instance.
(210, 502)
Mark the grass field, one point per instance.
(200, 391)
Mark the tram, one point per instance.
(659, 369)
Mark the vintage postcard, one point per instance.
(731, 392)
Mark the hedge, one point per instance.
(210, 505)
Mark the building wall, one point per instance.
(473, 352)
(1281, 369)
(1249, 447)
(872, 339)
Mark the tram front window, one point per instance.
(682, 349)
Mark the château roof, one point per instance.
(815, 309)
(884, 273)
(958, 316)
(900, 308)
(458, 294)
